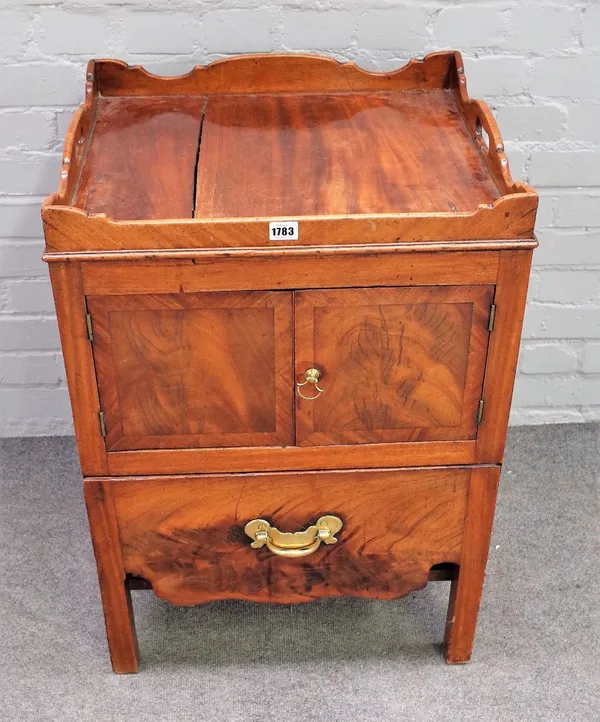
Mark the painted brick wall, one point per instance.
(536, 62)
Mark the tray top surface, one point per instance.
(282, 155)
(288, 155)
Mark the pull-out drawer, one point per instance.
(292, 537)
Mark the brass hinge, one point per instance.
(479, 417)
(492, 317)
(90, 328)
(102, 423)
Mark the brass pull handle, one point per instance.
(312, 376)
(293, 544)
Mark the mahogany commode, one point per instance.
(290, 295)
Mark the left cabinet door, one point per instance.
(194, 369)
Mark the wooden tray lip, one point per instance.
(68, 229)
(258, 73)
(437, 71)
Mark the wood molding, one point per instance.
(287, 251)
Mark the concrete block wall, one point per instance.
(537, 63)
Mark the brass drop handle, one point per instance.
(293, 544)
(312, 376)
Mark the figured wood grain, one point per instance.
(70, 304)
(466, 588)
(299, 155)
(397, 364)
(185, 370)
(141, 159)
(115, 593)
(186, 535)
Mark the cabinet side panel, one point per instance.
(510, 298)
(69, 300)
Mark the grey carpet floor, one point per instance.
(536, 655)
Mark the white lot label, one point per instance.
(283, 230)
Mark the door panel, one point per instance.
(193, 370)
(396, 364)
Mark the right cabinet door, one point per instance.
(394, 364)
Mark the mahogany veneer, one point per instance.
(287, 415)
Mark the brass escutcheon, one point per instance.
(293, 544)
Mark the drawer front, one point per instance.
(190, 537)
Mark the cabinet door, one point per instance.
(194, 369)
(395, 364)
